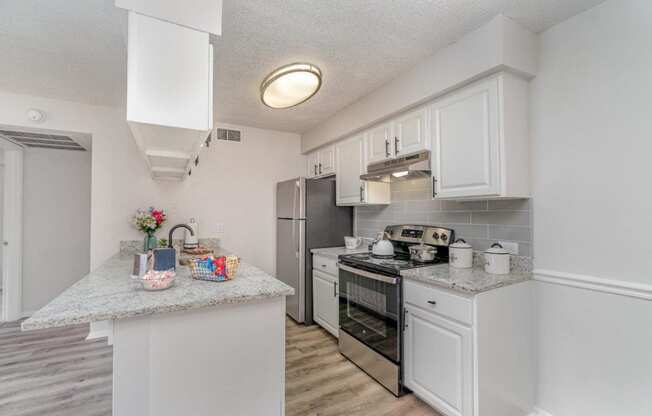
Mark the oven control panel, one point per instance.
(417, 234)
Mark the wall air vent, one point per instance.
(228, 135)
(45, 141)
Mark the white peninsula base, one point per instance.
(227, 360)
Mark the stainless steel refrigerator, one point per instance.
(306, 218)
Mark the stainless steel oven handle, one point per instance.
(364, 273)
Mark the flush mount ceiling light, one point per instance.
(290, 85)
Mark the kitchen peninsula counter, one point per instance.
(109, 293)
(198, 348)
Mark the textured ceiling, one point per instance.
(74, 49)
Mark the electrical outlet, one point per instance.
(510, 246)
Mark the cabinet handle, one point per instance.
(315, 168)
(386, 148)
(334, 289)
(320, 168)
(434, 187)
(405, 324)
(362, 192)
(395, 145)
(432, 302)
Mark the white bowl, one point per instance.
(157, 284)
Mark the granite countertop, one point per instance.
(470, 281)
(335, 252)
(109, 293)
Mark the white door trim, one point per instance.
(13, 233)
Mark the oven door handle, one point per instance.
(364, 273)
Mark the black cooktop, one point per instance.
(394, 264)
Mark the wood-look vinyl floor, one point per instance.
(56, 372)
(319, 381)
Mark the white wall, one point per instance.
(591, 129)
(234, 184)
(56, 223)
(499, 44)
(2, 193)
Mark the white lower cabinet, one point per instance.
(325, 300)
(470, 355)
(438, 358)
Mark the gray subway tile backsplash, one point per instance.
(480, 223)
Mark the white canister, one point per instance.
(461, 254)
(496, 260)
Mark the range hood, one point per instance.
(416, 165)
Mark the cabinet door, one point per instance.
(163, 88)
(326, 164)
(349, 165)
(465, 127)
(438, 362)
(410, 132)
(313, 165)
(325, 301)
(379, 145)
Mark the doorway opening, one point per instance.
(45, 211)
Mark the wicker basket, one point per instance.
(199, 271)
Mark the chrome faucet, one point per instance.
(174, 228)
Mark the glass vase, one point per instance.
(150, 243)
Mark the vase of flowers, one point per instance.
(149, 221)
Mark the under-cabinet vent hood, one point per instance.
(44, 141)
(416, 165)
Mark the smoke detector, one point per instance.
(35, 115)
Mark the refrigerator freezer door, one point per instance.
(290, 199)
(290, 264)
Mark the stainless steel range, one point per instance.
(371, 301)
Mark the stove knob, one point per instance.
(444, 237)
(435, 236)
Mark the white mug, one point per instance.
(352, 243)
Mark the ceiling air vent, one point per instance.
(228, 135)
(45, 141)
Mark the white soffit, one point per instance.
(75, 50)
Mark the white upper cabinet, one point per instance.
(380, 143)
(313, 165)
(405, 134)
(202, 15)
(480, 141)
(327, 161)
(169, 75)
(321, 162)
(350, 163)
(410, 132)
(169, 93)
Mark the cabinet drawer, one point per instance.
(324, 264)
(438, 301)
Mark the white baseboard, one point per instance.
(598, 284)
(537, 411)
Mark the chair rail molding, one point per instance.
(598, 284)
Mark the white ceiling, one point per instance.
(75, 50)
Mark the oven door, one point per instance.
(370, 309)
